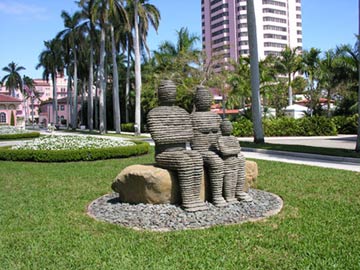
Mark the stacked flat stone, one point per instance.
(234, 165)
(206, 127)
(170, 127)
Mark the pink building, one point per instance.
(10, 107)
(225, 34)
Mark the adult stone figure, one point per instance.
(234, 165)
(206, 126)
(170, 127)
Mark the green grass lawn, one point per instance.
(44, 224)
(302, 149)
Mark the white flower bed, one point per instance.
(13, 130)
(71, 143)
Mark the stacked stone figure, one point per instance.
(206, 127)
(170, 127)
(234, 165)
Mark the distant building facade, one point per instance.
(225, 33)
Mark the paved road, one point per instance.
(341, 141)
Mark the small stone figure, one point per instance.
(234, 165)
(170, 127)
(206, 126)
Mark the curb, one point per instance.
(351, 161)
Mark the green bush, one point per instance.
(242, 128)
(129, 127)
(346, 124)
(286, 126)
(12, 119)
(74, 155)
(27, 135)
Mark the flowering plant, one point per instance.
(71, 142)
(12, 130)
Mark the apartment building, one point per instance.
(225, 33)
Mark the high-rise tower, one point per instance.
(224, 27)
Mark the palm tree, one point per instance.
(143, 14)
(30, 92)
(311, 68)
(351, 57)
(71, 35)
(13, 79)
(52, 62)
(254, 71)
(288, 64)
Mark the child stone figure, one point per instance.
(234, 165)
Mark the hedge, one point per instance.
(9, 154)
(16, 136)
(286, 126)
(129, 127)
(346, 124)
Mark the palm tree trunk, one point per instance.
(90, 93)
(116, 101)
(75, 97)
(255, 75)
(127, 87)
(290, 91)
(137, 72)
(82, 102)
(55, 104)
(68, 103)
(357, 147)
(102, 81)
(328, 103)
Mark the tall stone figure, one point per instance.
(234, 165)
(206, 126)
(170, 127)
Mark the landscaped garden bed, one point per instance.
(13, 133)
(72, 148)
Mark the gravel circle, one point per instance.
(168, 217)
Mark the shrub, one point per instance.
(74, 155)
(242, 128)
(346, 124)
(129, 127)
(28, 135)
(286, 126)
(12, 119)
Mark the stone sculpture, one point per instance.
(234, 165)
(170, 127)
(206, 127)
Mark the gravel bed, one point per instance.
(167, 217)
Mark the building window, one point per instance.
(299, 24)
(243, 43)
(298, 8)
(215, 25)
(241, 8)
(242, 16)
(299, 32)
(2, 117)
(219, 8)
(242, 25)
(275, 28)
(299, 40)
(274, 3)
(243, 34)
(244, 52)
(215, 2)
(222, 31)
(216, 41)
(224, 14)
(298, 16)
(272, 19)
(62, 108)
(275, 36)
(274, 11)
(274, 44)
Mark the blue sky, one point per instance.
(25, 24)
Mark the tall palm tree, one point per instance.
(351, 56)
(254, 71)
(52, 61)
(72, 35)
(288, 64)
(13, 79)
(144, 14)
(311, 68)
(29, 89)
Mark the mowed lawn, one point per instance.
(44, 225)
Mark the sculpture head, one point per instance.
(203, 99)
(167, 93)
(226, 127)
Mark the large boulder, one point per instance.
(151, 184)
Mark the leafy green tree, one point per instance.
(12, 80)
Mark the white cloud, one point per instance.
(17, 8)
